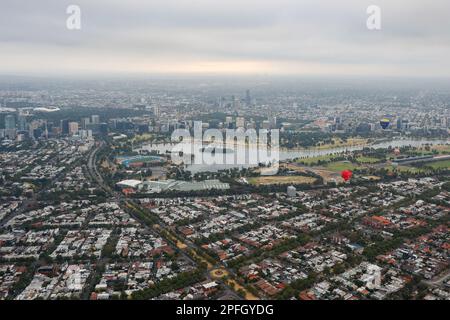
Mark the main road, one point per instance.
(93, 169)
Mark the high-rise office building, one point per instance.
(265, 124)
(399, 124)
(228, 122)
(85, 123)
(405, 124)
(22, 123)
(65, 126)
(10, 122)
(240, 122)
(73, 128)
(37, 133)
(236, 104)
(103, 129)
(85, 134)
(10, 126)
(338, 120)
(95, 119)
(156, 111)
(248, 98)
(273, 122)
(363, 128)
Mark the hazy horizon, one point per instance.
(288, 37)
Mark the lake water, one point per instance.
(163, 148)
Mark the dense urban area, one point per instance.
(93, 207)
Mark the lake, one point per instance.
(284, 154)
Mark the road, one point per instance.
(438, 281)
(92, 169)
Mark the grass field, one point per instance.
(340, 166)
(315, 160)
(440, 149)
(363, 159)
(341, 143)
(268, 180)
(440, 164)
(405, 169)
(142, 137)
(443, 149)
(421, 152)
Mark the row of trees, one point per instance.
(180, 281)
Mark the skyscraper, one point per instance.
(23, 125)
(10, 122)
(236, 105)
(240, 122)
(248, 98)
(103, 129)
(228, 122)
(73, 128)
(85, 123)
(95, 119)
(273, 122)
(65, 126)
(10, 126)
(156, 111)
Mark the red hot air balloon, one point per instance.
(346, 175)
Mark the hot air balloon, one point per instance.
(346, 175)
(385, 122)
(397, 151)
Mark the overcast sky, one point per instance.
(300, 37)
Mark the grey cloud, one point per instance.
(415, 34)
